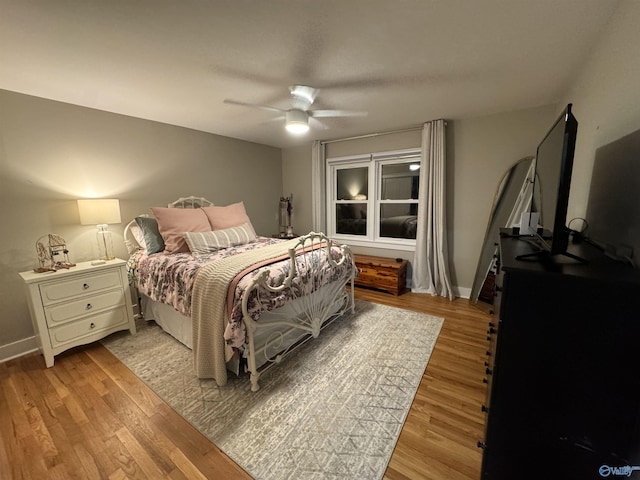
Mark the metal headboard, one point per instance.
(190, 202)
(183, 202)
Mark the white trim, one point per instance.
(350, 158)
(374, 162)
(404, 154)
(463, 292)
(18, 349)
(353, 240)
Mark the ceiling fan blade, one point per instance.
(317, 124)
(253, 105)
(336, 113)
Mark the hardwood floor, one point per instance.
(90, 417)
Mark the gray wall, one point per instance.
(479, 151)
(52, 153)
(296, 180)
(605, 98)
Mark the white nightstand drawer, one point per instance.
(64, 312)
(62, 290)
(72, 332)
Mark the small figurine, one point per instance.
(286, 210)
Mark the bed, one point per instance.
(238, 300)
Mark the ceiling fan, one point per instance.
(297, 117)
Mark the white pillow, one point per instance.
(201, 243)
(136, 231)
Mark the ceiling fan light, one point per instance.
(297, 121)
(297, 128)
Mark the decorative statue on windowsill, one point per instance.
(53, 257)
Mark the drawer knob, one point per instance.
(89, 306)
(93, 325)
(85, 286)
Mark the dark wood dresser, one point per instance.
(563, 367)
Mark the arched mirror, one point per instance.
(512, 198)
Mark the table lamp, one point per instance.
(101, 212)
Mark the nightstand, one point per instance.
(78, 306)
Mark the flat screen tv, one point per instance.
(552, 181)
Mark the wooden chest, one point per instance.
(382, 273)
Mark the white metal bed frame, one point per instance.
(300, 319)
(312, 313)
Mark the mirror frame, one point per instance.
(512, 198)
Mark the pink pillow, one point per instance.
(232, 215)
(173, 222)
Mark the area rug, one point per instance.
(332, 410)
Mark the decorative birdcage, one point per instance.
(52, 256)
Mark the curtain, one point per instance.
(431, 261)
(318, 187)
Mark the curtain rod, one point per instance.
(324, 142)
(409, 129)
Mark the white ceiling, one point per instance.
(402, 61)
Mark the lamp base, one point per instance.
(105, 243)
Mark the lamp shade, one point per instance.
(99, 211)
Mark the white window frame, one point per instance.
(375, 162)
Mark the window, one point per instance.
(374, 198)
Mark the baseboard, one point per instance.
(462, 292)
(18, 349)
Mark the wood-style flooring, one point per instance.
(89, 417)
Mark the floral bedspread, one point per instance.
(169, 279)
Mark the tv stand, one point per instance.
(538, 242)
(547, 254)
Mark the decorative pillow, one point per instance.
(201, 243)
(136, 231)
(152, 239)
(173, 222)
(232, 215)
